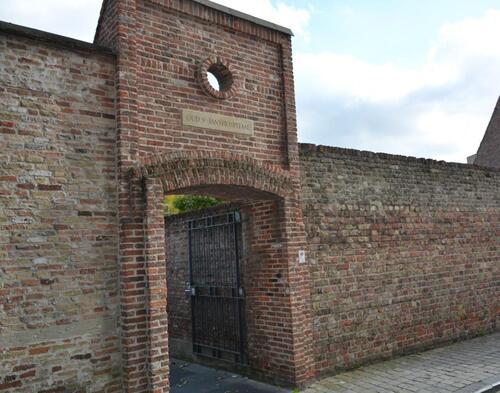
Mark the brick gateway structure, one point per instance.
(401, 253)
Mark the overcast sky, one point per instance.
(413, 77)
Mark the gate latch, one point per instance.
(190, 290)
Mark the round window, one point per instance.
(217, 78)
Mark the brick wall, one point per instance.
(404, 253)
(170, 47)
(59, 302)
(160, 45)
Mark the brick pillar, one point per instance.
(294, 235)
(156, 275)
(133, 293)
(278, 294)
(299, 281)
(118, 30)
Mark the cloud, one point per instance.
(74, 18)
(439, 110)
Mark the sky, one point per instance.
(410, 77)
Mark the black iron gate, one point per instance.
(217, 298)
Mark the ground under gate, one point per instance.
(194, 378)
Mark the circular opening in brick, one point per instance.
(222, 75)
(217, 78)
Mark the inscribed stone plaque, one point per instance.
(214, 121)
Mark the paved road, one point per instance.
(465, 367)
(193, 378)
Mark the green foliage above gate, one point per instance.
(176, 204)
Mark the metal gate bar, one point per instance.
(217, 298)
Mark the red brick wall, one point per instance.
(59, 302)
(404, 253)
(267, 283)
(159, 45)
(170, 48)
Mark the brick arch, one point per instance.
(228, 175)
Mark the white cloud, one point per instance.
(73, 18)
(333, 73)
(438, 110)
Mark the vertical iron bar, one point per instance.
(238, 282)
(191, 286)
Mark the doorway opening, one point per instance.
(265, 327)
(224, 275)
(207, 264)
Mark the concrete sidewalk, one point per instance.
(465, 367)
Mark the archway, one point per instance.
(208, 170)
(277, 286)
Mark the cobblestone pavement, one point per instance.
(466, 367)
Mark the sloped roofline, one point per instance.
(221, 8)
(489, 130)
(242, 15)
(44, 36)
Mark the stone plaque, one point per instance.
(214, 121)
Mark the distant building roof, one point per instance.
(488, 153)
(471, 159)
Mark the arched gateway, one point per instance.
(402, 253)
(177, 133)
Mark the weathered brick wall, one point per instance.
(404, 253)
(59, 300)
